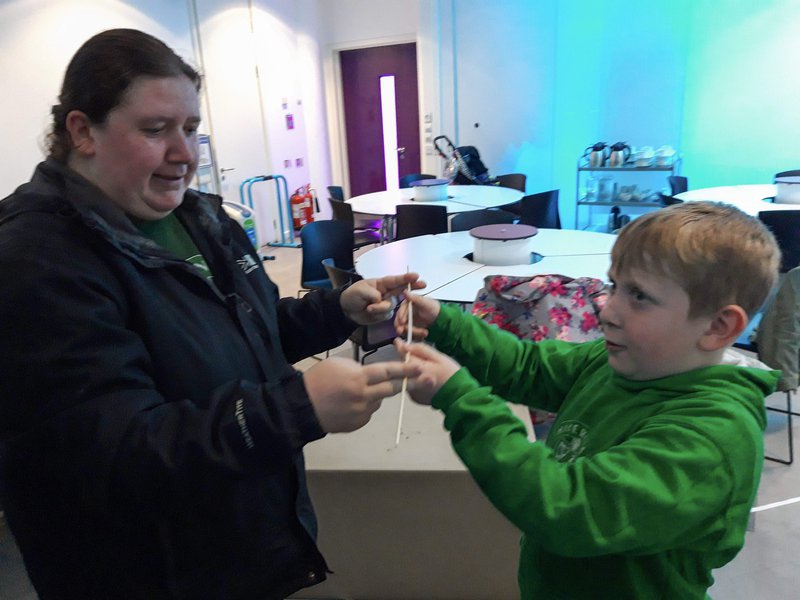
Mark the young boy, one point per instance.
(648, 475)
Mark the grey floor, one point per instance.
(768, 568)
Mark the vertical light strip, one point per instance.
(389, 116)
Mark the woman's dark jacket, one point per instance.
(152, 423)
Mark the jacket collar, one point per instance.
(55, 180)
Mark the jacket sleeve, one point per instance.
(79, 403)
(537, 374)
(667, 483)
(307, 325)
(312, 324)
(778, 334)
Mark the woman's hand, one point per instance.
(425, 312)
(435, 368)
(372, 300)
(344, 393)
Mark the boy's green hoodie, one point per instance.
(642, 488)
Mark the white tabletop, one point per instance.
(461, 198)
(440, 260)
(748, 198)
(434, 257)
(424, 443)
(465, 288)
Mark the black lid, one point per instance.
(795, 173)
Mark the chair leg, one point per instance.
(366, 354)
(790, 439)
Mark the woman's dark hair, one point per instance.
(100, 73)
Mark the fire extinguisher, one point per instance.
(311, 199)
(299, 204)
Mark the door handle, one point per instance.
(402, 152)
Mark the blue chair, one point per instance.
(336, 192)
(407, 180)
(324, 239)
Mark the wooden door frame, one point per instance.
(334, 101)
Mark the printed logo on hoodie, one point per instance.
(569, 441)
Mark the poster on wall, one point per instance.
(205, 151)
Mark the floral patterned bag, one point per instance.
(543, 307)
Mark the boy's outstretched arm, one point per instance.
(495, 358)
(641, 496)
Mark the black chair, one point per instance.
(367, 338)
(677, 184)
(475, 218)
(324, 239)
(515, 181)
(342, 211)
(336, 192)
(785, 226)
(406, 180)
(540, 210)
(668, 200)
(419, 219)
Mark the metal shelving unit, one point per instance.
(583, 169)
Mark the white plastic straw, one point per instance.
(405, 379)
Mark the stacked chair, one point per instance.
(365, 230)
(367, 338)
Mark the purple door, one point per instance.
(361, 72)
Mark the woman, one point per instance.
(152, 422)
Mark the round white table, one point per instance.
(461, 198)
(751, 199)
(441, 260)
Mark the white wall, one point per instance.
(714, 78)
(359, 20)
(262, 68)
(38, 39)
(504, 88)
(552, 77)
(620, 71)
(348, 24)
(741, 120)
(247, 117)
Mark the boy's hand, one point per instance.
(435, 369)
(372, 300)
(425, 312)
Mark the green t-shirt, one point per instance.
(169, 233)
